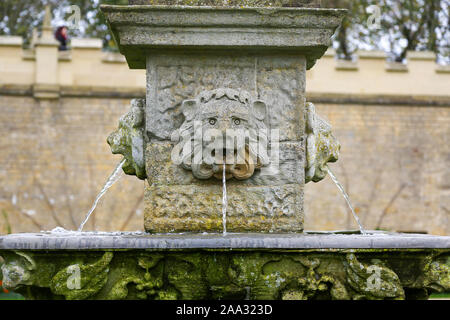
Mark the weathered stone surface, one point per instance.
(281, 84)
(233, 135)
(301, 30)
(279, 80)
(192, 204)
(226, 68)
(74, 240)
(198, 208)
(224, 274)
(128, 139)
(162, 171)
(321, 146)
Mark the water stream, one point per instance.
(113, 178)
(224, 201)
(347, 199)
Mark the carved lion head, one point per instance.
(222, 127)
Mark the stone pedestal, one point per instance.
(202, 63)
(46, 52)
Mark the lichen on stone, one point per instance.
(437, 276)
(321, 146)
(222, 274)
(92, 277)
(128, 139)
(373, 282)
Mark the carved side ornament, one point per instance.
(321, 146)
(128, 139)
(19, 271)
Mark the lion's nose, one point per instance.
(223, 126)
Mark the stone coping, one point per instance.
(86, 43)
(139, 30)
(71, 240)
(230, 3)
(11, 41)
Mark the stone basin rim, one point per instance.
(135, 240)
(108, 7)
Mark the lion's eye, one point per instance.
(237, 122)
(212, 121)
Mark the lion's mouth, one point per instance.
(242, 167)
(241, 164)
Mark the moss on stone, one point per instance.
(232, 274)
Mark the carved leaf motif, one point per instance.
(92, 277)
(314, 282)
(18, 272)
(145, 287)
(437, 276)
(373, 282)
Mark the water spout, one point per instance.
(224, 201)
(347, 199)
(113, 178)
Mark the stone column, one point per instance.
(46, 51)
(205, 64)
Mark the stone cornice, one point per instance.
(382, 99)
(138, 29)
(315, 97)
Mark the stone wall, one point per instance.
(395, 165)
(393, 122)
(55, 160)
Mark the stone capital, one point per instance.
(141, 29)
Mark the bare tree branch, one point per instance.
(389, 205)
(48, 202)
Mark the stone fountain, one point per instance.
(225, 109)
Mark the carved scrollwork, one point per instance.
(221, 275)
(314, 282)
(81, 281)
(18, 271)
(437, 276)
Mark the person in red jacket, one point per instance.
(62, 37)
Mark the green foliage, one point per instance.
(404, 25)
(21, 17)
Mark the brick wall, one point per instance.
(395, 165)
(55, 160)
